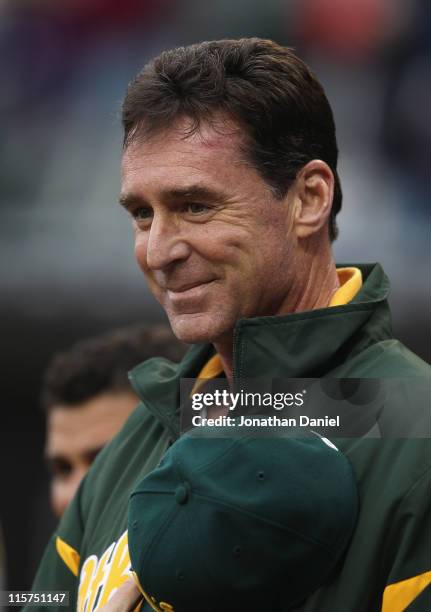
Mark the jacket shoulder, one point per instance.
(387, 359)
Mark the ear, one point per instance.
(314, 191)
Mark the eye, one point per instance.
(195, 208)
(142, 213)
(91, 455)
(60, 468)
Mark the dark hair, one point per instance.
(264, 87)
(100, 364)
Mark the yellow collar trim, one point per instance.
(350, 284)
(212, 368)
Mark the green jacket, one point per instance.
(391, 548)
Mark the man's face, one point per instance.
(211, 239)
(74, 437)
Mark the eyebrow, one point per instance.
(191, 192)
(127, 200)
(59, 457)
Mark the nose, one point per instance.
(165, 243)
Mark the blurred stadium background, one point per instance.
(67, 267)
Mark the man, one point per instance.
(87, 397)
(229, 175)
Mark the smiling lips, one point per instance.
(187, 291)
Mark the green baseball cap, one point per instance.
(241, 522)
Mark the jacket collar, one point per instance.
(300, 345)
(311, 344)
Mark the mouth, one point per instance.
(186, 286)
(187, 291)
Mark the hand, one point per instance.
(125, 599)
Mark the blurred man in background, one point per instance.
(87, 396)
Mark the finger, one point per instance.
(125, 598)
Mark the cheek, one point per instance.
(60, 497)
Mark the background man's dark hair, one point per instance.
(261, 85)
(100, 364)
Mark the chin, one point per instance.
(198, 328)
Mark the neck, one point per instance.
(314, 285)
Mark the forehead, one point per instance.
(89, 424)
(211, 155)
